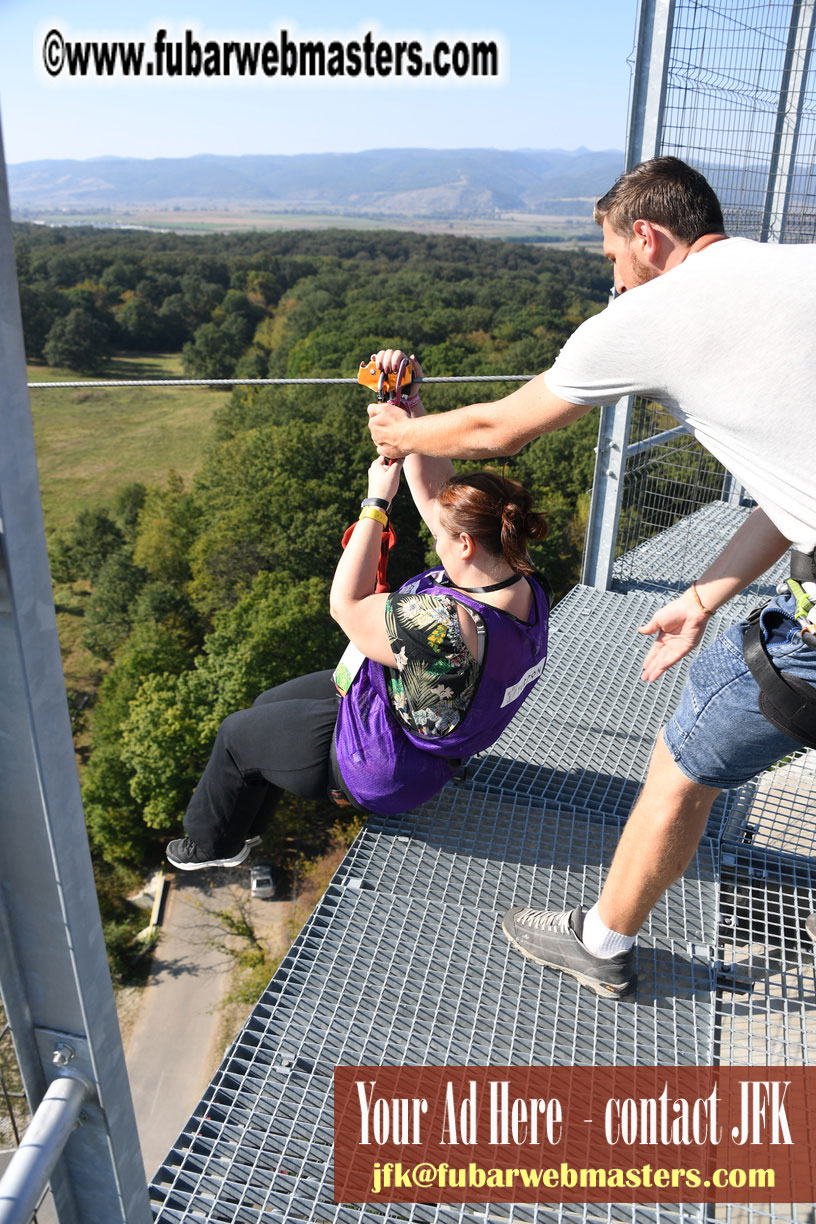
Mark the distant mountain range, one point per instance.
(382, 182)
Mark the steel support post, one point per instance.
(647, 103)
(795, 71)
(733, 493)
(648, 95)
(59, 994)
(607, 494)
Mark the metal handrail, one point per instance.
(29, 1171)
(646, 444)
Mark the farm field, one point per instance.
(545, 228)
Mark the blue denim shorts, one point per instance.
(718, 736)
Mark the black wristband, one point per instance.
(379, 502)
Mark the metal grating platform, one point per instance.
(585, 734)
(491, 851)
(770, 1017)
(778, 810)
(404, 962)
(669, 562)
(376, 978)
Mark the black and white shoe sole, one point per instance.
(235, 861)
(615, 994)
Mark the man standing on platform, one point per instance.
(720, 331)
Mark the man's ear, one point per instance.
(653, 243)
(647, 238)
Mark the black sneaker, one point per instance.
(187, 856)
(553, 938)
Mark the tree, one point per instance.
(212, 353)
(240, 941)
(277, 631)
(81, 551)
(167, 631)
(64, 269)
(118, 277)
(168, 524)
(157, 287)
(173, 323)
(139, 325)
(40, 306)
(108, 619)
(200, 298)
(78, 341)
(115, 826)
(253, 364)
(127, 504)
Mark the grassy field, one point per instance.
(549, 228)
(91, 442)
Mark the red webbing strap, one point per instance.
(389, 539)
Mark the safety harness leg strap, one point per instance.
(803, 566)
(786, 701)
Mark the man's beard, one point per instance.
(643, 272)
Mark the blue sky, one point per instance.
(565, 80)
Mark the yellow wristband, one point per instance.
(374, 512)
(706, 611)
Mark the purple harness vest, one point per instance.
(386, 767)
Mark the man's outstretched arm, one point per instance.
(680, 624)
(479, 431)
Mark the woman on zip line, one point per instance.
(434, 672)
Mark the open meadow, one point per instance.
(91, 442)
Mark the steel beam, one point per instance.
(648, 96)
(646, 107)
(647, 444)
(607, 494)
(60, 990)
(26, 1178)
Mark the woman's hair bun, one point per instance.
(496, 511)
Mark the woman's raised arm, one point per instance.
(424, 474)
(352, 602)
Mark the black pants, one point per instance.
(282, 743)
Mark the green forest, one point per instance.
(203, 594)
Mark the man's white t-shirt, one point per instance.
(726, 342)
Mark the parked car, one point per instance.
(261, 883)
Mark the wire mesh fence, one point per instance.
(663, 484)
(740, 105)
(13, 1107)
(14, 1112)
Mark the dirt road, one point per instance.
(172, 1047)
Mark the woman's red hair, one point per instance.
(495, 511)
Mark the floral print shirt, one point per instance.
(435, 677)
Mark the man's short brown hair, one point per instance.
(667, 192)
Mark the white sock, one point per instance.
(600, 940)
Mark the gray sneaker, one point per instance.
(184, 854)
(810, 926)
(553, 938)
